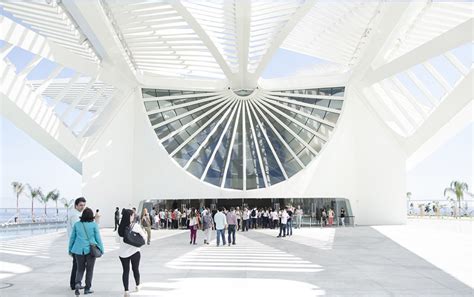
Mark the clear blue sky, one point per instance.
(24, 160)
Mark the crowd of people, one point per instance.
(134, 230)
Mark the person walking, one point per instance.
(343, 216)
(84, 234)
(221, 223)
(324, 217)
(299, 216)
(284, 220)
(146, 224)
(193, 225)
(231, 218)
(274, 215)
(289, 222)
(117, 218)
(245, 220)
(238, 213)
(129, 253)
(207, 225)
(254, 216)
(331, 217)
(72, 219)
(97, 217)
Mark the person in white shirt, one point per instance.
(221, 223)
(245, 220)
(238, 213)
(274, 215)
(284, 220)
(299, 216)
(129, 253)
(74, 217)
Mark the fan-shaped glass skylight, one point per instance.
(246, 139)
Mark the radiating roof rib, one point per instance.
(334, 31)
(54, 22)
(157, 26)
(279, 131)
(406, 99)
(431, 20)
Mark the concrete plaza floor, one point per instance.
(349, 261)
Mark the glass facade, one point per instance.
(247, 139)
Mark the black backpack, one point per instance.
(253, 213)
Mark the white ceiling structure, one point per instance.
(85, 57)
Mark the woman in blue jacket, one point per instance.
(84, 233)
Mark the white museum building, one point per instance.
(166, 101)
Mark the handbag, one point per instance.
(133, 238)
(95, 251)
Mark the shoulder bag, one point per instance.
(95, 251)
(133, 238)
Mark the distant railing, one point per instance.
(310, 221)
(430, 208)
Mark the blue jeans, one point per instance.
(231, 234)
(218, 236)
(282, 230)
(289, 227)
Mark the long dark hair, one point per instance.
(125, 221)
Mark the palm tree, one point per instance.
(54, 196)
(18, 189)
(44, 199)
(34, 194)
(67, 204)
(458, 189)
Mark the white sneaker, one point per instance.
(137, 288)
(126, 294)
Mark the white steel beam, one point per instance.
(203, 35)
(453, 38)
(209, 163)
(301, 11)
(231, 145)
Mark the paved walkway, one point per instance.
(313, 262)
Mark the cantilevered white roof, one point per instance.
(406, 60)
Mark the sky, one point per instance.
(23, 159)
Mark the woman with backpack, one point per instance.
(129, 253)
